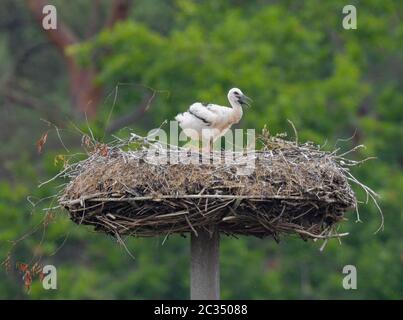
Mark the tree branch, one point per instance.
(120, 11)
(17, 97)
(24, 58)
(94, 17)
(131, 118)
(13, 92)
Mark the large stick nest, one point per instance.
(297, 189)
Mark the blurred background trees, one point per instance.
(292, 57)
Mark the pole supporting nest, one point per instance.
(205, 266)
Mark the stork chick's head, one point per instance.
(236, 97)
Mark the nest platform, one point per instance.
(290, 189)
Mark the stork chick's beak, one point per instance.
(245, 100)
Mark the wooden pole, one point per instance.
(205, 267)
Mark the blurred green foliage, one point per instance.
(297, 62)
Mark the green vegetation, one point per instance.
(292, 57)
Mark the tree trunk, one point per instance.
(85, 94)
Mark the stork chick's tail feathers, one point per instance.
(179, 117)
(185, 122)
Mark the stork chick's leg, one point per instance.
(205, 146)
(193, 145)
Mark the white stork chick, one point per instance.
(208, 122)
